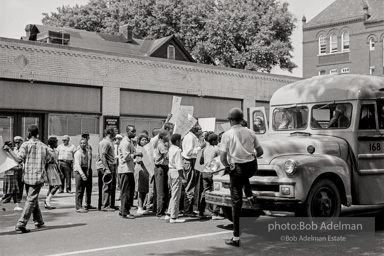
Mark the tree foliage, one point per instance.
(245, 34)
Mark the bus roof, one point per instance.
(330, 88)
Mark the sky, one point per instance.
(16, 14)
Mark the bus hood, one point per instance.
(298, 144)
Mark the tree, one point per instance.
(245, 34)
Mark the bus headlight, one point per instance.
(290, 166)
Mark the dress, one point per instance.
(141, 174)
(53, 172)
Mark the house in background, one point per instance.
(167, 47)
(346, 37)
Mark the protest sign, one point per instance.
(207, 124)
(226, 126)
(181, 111)
(176, 102)
(6, 162)
(148, 158)
(184, 123)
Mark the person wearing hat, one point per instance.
(13, 185)
(239, 148)
(35, 155)
(66, 153)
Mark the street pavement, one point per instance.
(105, 233)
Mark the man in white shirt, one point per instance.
(239, 148)
(191, 147)
(65, 158)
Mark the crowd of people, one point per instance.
(172, 188)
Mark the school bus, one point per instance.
(323, 148)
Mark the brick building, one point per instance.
(346, 37)
(66, 88)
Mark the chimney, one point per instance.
(127, 32)
(365, 10)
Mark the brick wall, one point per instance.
(69, 65)
(359, 58)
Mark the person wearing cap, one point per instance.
(126, 170)
(35, 155)
(210, 152)
(13, 185)
(191, 147)
(66, 153)
(106, 166)
(239, 148)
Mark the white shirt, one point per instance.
(66, 152)
(191, 146)
(175, 158)
(240, 144)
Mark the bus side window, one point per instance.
(381, 116)
(367, 117)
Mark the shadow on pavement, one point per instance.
(43, 229)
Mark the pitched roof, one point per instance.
(344, 10)
(110, 43)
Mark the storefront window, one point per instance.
(6, 128)
(140, 124)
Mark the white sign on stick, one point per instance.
(176, 102)
(207, 124)
(181, 111)
(226, 126)
(147, 158)
(184, 123)
(6, 162)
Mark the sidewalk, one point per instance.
(73, 188)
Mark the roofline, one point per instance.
(178, 44)
(307, 27)
(193, 64)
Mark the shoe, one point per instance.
(49, 207)
(190, 214)
(142, 212)
(232, 242)
(202, 217)
(108, 209)
(89, 207)
(60, 192)
(117, 208)
(69, 192)
(167, 218)
(18, 209)
(82, 210)
(39, 224)
(129, 216)
(218, 217)
(120, 214)
(22, 229)
(177, 220)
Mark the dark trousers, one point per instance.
(88, 188)
(107, 191)
(127, 191)
(31, 206)
(53, 189)
(66, 169)
(239, 179)
(80, 189)
(207, 186)
(162, 191)
(190, 185)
